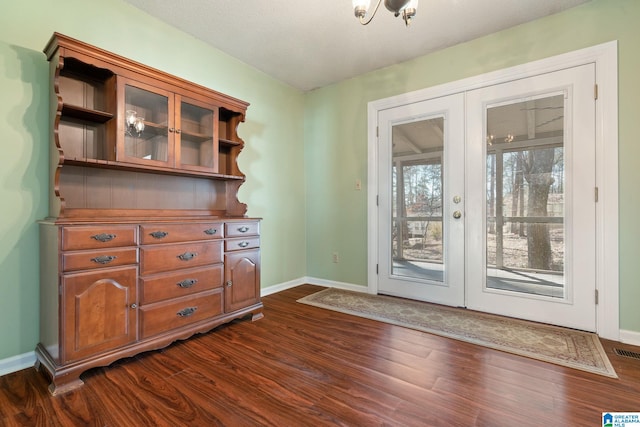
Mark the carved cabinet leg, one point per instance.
(64, 384)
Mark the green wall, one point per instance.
(273, 134)
(304, 152)
(336, 132)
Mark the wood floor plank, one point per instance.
(306, 366)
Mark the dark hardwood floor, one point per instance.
(302, 365)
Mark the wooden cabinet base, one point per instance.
(65, 378)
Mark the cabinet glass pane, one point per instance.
(146, 124)
(196, 135)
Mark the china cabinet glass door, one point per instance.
(146, 132)
(197, 147)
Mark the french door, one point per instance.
(531, 189)
(422, 186)
(486, 199)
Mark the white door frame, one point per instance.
(605, 58)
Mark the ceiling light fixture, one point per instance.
(405, 7)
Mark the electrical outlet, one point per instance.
(336, 258)
(358, 184)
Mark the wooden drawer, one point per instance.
(184, 282)
(83, 260)
(171, 233)
(238, 229)
(240, 244)
(159, 258)
(98, 237)
(172, 314)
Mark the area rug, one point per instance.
(562, 346)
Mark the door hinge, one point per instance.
(377, 268)
(595, 91)
(597, 297)
(596, 194)
(377, 200)
(377, 131)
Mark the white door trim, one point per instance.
(605, 58)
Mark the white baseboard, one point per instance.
(334, 284)
(311, 281)
(17, 363)
(630, 337)
(282, 287)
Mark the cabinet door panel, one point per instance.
(242, 279)
(97, 311)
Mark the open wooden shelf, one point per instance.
(86, 114)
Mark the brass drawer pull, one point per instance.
(187, 283)
(188, 256)
(243, 229)
(159, 234)
(186, 312)
(211, 231)
(104, 259)
(103, 237)
(243, 244)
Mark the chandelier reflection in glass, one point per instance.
(406, 8)
(135, 124)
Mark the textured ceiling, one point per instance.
(310, 44)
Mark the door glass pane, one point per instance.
(146, 124)
(525, 197)
(196, 135)
(417, 186)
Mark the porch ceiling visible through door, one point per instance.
(541, 117)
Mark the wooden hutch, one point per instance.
(146, 242)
